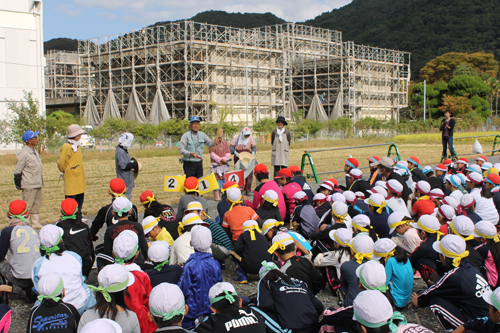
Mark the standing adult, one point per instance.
(447, 126)
(71, 165)
(280, 139)
(124, 165)
(191, 147)
(28, 176)
(240, 143)
(220, 154)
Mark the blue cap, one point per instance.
(28, 135)
(192, 119)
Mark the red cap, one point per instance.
(352, 162)
(191, 184)
(481, 158)
(260, 168)
(334, 181)
(18, 207)
(228, 185)
(144, 197)
(373, 159)
(441, 167)
(284, 173)
(447, 162)
(494, 178)
(463, 160)
(116, 185)
(69, 206)
(294, 169)
(415, 160)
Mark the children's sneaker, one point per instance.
(242, 276)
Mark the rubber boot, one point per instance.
(35, 221)
(242, 276)
(217, 195)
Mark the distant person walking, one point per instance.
(28, 176)
(191, 147)
(124, 165)
(71, 165)
(240, 143)
(280, 139)
(447, 126)
(220, 154)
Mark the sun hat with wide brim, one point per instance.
(246, 157)
(138, 169)
(281, 118)
(74, 130)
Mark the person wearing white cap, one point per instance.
(287, 299)
(55, 258)
(168, 308)
(453, 183)
(110, 295)
(269, 208)
(159, 253)
(468, 207)
(237, 214)
(451, 201)
(182, 248)
(362, 251)
(200, 273)
(378, 214)
(434, 182)
(297, 267)
(228, 314)
(340, 253)
(393, 200)
(423, 205)
(444, 214)
(480, 324)
(487, 236)
(457, 296)
(485, 207)
(424, 258)
(50, 293)
(102, 326)
(351, 200)
(361, 225)
(356, 181)
(463, 227)
(153, 230)
(121, 207)
(70, 164)
(336, 218)
(406, 236)
(379, 190)
(252, 248)
(304, 215)
(437, 195)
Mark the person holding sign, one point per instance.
(191, 147)
(244, 142)
(220, 154)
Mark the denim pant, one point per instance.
(448, 141)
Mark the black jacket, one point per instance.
(53, 317)
(301, 269)
(324, 236)
(113, 231)
(417, 175)
(379, 223)
(105, 215)
(435, 182)
(483, 325)
(399, 178)
(78, 240)
(168, 273)
(424, 258)
(234, 320)
(472, 215)
(252, 252)
(361, 185)
(452, 126)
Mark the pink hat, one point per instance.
(74, 130)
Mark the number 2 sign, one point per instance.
(174, 183)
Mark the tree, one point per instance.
(457, 105)
(265, 125)
(307, 126)
(57, 124)
(174, 127)
(144, 133)
(462, 85)
(109, 130)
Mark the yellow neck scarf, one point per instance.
(251, 229)
(380, 208)
(457, 258)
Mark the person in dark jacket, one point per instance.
(304, 215)
(377, 212)
(301, 180)
(385, 168)
(76, 235)
(297, 267)
(434, 181)
(357, 183)
(52, 314)
(414, 166)
(457, 296)
(168, 308)
(351, 201)
(159, 253)
(486, 325)
(269, 208)
(463, 227)
(223, 205)
(278, 297)
(252, 247)
(164, 211)
(200, 273)
(447, 126)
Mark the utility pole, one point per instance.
(424, 100)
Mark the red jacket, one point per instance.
(258, 196)
(289, 191)
(138, 299)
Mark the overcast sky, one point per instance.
(84, 19)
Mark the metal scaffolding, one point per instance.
(202, 68)
(61, 74)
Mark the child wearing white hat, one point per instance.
(66, 263)
(182, 249)
(457, 297)
(237, 214)
(114, 281)
(453, 183)
(168, 308)
(200, 273)
(269, 208)
(480, 324)
(154, 232)
(463, 227)
(304, 215)
(487, 236)
(361, 224)
(406, 236)
(159, 254)
(423, 205)
(378, 214)
(393, 199)
(102, 326)
(228, 313)
(50, 294)
(485, 207)
(468, 207)
(356, 182)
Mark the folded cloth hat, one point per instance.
(159, 251)
(50, 237)
(383, 248)
(341, 236)
(251, 226)
(493, 179)
(372, 275)
(125, 140)
(423, 187)
(467, 201)
(436, 193)
(414, 160)
(269, 224)
(220, 291)
(381, 183)
(373, 159)
(18, 209)
(395, 187)
(372, 309)
(260, 168)
(486, 166)
(117, 187)
(378, 201)
(452, 246)
(193, 119)
(272, 197)
(319, 197)
(349, 196)
(69, 207)
(74, 130)
(102, 325)
(362, 246)
(355, 173)
(148, 223)
(401, 172)
(266, 267)
(427, 169)
(147, 197)
(125, 246)
(352, 162)
(360, 195)
(481, 158)
(189, 219)
(450, 201)
(361, 222)
(339, 210)
(446, 212)
(234, 196)
(121, 206)
(201, 238)
(284, 173)
(191, 185)
(28, 135)
(475, 178)
(326, 184)
(474, 168)
(492, 298)
(338, 197)
(228, 185)
(441, 167)
(429, 224)
(294, 169)
(50, 286)
(334, 182)
(395, 220)
(463, 227)
(281, 241)
(112, 279)
(486, 230)
(384, 161)
(463, 160)
(166, 301)
(378, 190)
(194, 205)
(300, 195)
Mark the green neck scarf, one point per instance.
(168, 315)
(20, 216)
(393, 327)
(227, 295)
(160, 265)
(121, 261)
(382, 289)
(110, 289)
(54, 294)
(67, 217)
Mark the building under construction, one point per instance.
(188, 68)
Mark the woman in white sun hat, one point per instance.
(457, 296)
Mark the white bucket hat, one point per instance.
(341, 236)
(395, 220)
(486, 230)
(166, 301)
(201, 238)
(361, 222)
(362, 245)
(102, 325)
(372, 276)
(383, 248)
(451, 246)
(159, 252)
(269, 224)
(148, 223)
(50, 237)
(125, 246)
(112, 279)
(462, 226)
(225, 290)
(372, 309)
